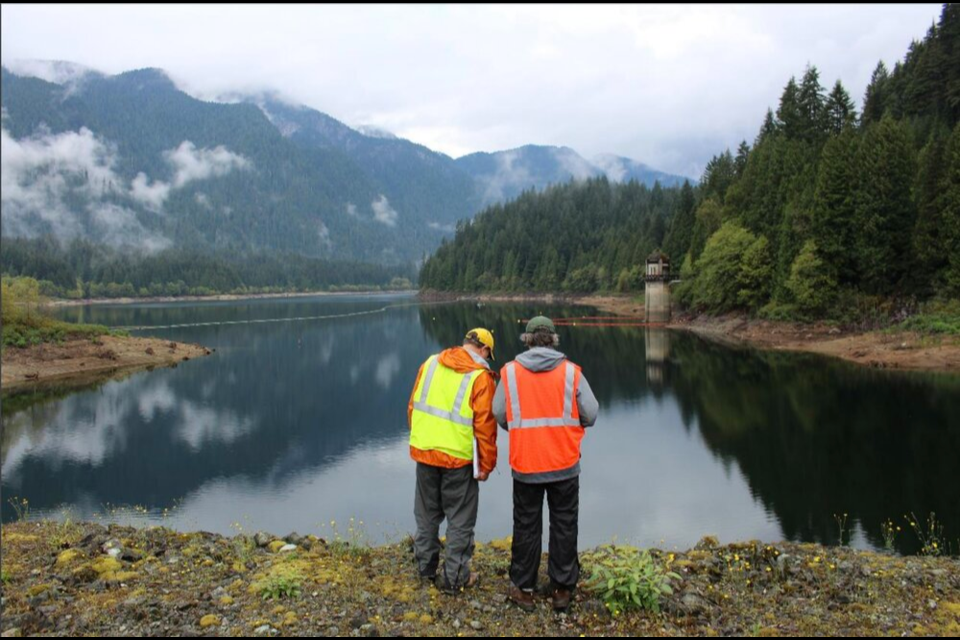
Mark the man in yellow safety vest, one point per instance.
(453, 438)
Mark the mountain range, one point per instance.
(134, 162)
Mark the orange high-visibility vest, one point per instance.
(543, 417)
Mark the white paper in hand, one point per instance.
(476, 459)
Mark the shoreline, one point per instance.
(80, 578)
(63, 302)
(79, 362)
(896, 350)
(618, 305)
(902, 350)
(82, 362)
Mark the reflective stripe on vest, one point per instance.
(442, 417)
(567, 419)
(545, 429)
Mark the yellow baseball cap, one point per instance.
(484, 337)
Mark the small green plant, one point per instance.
(841, 520)
(354, 545)
(627, 578)
(5, 576)
(243, 545)
(281, 586)
(938, 317)
(64, 532)
(930, 535)
(21, 506)
(243, 548)
(889, 532)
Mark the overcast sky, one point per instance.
(669, 86)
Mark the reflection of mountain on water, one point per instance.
(817, 437)
(274, 400)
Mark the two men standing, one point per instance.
(544, 402)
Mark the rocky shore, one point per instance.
(76, 579)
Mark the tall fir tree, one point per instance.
(834, 207)
(789, 113)
(840, 110)
(949, 34)
(768, 128)
(740, 162)
(811, 104)
(930, 238)
(884, 210)
(950, 210)
(678, 238)
(719, 174)
(875, 98)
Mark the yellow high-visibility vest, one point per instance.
(442, 418)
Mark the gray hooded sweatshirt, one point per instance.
(547, 359)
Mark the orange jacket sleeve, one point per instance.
(484, 426)
(412, 393)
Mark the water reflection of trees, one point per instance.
(817, 437)
(813, 437)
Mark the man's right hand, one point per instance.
(483, 476)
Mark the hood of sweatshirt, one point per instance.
(540, 359)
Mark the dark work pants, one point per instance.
(563, 499)
(454, 494)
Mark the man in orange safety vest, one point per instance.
(544, 402)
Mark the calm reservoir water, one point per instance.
(293, 424)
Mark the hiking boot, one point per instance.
(472, 580)
(561, 599)
(521, 598)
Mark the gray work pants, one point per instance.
(454, 494)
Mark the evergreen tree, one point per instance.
(949, 34)
(740, 163)
(950, 210)
(884, 209)
(719, 174)
(768, 128)
(924, 88)
(930, 237)
(678, 238)
(709, 217)
(811, 105)
(875, 98)
(840, 110)
(834, 205)
(790, 114)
